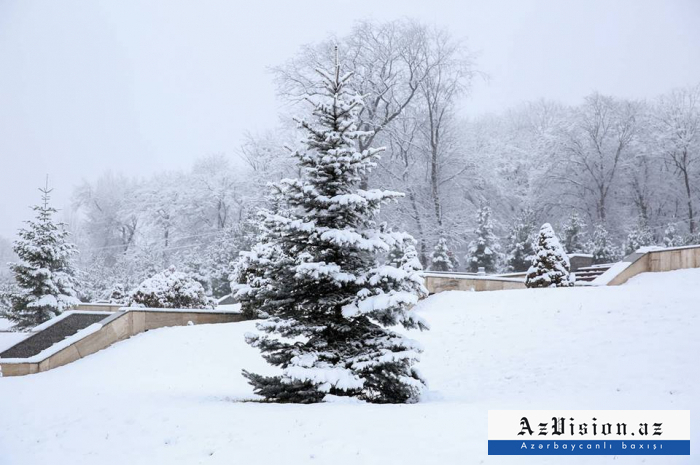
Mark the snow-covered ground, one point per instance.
(172, 396)
(7, 338)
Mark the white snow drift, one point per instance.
(173, 396)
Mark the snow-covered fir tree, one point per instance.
(671, 236)
(317, 276)
(484, 251)
(639, 236)
(550, 267)
(602, 247)
(442, 258)
(171, 289)
(574, 234)
(521, 242)
(44, 274)
(221, 256)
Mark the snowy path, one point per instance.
(167, 396)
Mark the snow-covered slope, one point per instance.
(170, 396)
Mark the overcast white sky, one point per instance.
(140, 86)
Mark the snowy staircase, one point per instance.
(589, 273)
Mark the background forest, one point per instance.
(609, 174)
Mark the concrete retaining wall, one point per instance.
(119, 326)
(436, 283)
(93, 307)
(671, 259)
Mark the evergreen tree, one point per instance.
(574, 234)
(484, 250)
(317, 277)
(550, 267)
(223, 252)
(602, 247)
(442, 259)
(639, 236)
(521, 242)
(672, 238)
(45, 274)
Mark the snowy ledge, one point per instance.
(610, 274)
(235, 310)
(57, 347)
(93, 328)
(580, 255)
(63, 316)
(437, 274)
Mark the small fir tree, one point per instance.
(317, 273)
(442, 258)
(45, 275)
(671, 237)
(550, 267)
(521, 242)
(639, 236)
(574, 234)
(484, 250)
(602, 247)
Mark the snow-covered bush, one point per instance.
(484, 251)
(639, 236)
(45, 276)
(442, 258)
(550, 267)
(602, 247)
(319, 275)
(521, 242)
(574, 234)
(170, 289)
(672, 238)
(692, 239)
(118, 295)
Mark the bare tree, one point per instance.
(388, 61)
(596, 145)
(678, 131)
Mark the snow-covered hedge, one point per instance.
(171, 289)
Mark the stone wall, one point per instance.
(119, 326)
(658, 260)
(437, 284)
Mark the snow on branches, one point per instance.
(45, 275)
(484, 251)
(550, 268)
(171, 289)
(319, 275)
(442, 258)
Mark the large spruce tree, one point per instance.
(318, 277)
(44, 275)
